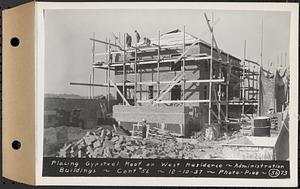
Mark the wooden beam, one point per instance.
(183, 78)
(259, 93)
(88, 84)
(104, 67)
(168, 82)
(220, 111)
(158, 62)
(146, 48)
(181, 101)
(186, 51)
(90, 92)
(243, 82)
(205, 81)
(124, 68)
(227, 87)
(169, 87)
(108, 71)
(219, 95)
(210, 72)
(163, 61)
(183, 65)
(173, 101)
(93, 69)
(251, 61)
(135, 75)
(214, 114)
(253, 85)
(213, 36)
(122, 96)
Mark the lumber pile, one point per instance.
(152, 132)
(104, 143)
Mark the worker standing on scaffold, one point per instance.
(147, 41)
(128, 40)
(137, 35)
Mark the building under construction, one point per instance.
(178, 82)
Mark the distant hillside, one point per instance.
(72, 96)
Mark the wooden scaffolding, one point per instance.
(249, 77)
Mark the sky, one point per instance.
(68, 50)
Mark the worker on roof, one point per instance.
(128, 40)
(147, 41)
(137, 35)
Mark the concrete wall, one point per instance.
(175, 118)
(153, 114)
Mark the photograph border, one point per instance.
(164, 181)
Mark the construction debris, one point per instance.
(212, 132)
(104, 143)
(151, 131)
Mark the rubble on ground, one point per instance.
(105, 143)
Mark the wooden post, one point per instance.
(227, 85)
(158, 62)
(90, 88)
(183, 67)
(120, 93)
(108, 75)
(259, 92)
(183, 83)
(243, 80)
(124, 68)
(135, 75)
(249, 84)
(106, 71)
(261, 43)
(210, 73)
(253, 86)
(93, 71)
(219, 93)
